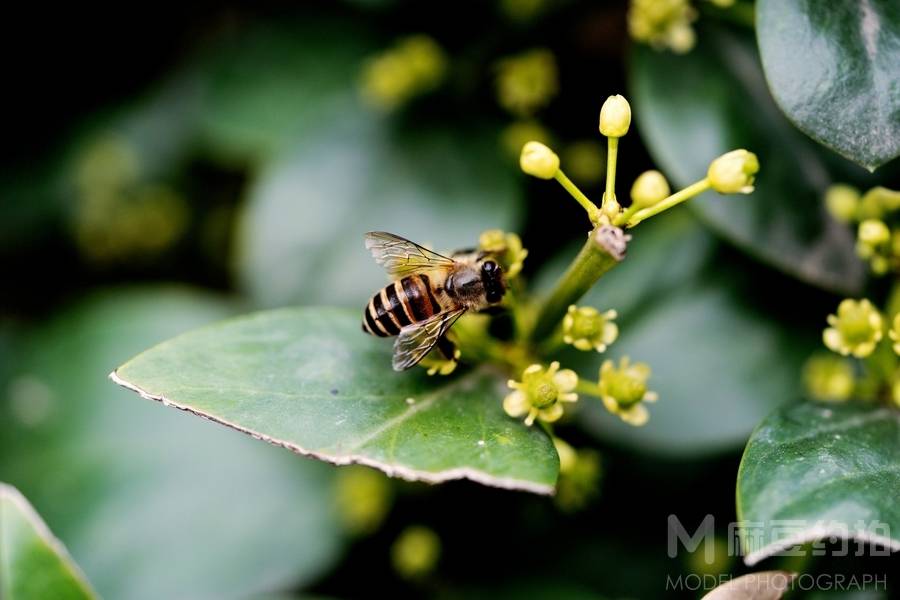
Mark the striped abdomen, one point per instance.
(401, 303)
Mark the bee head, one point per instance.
(492, 279)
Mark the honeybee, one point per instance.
(429, 294)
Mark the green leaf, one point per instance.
(311, 381)
(814, 471)
(33, 564)
(692, 108)
(150, 503)
(301, 234)
(276, 82)
(832, 67)
(686, 314)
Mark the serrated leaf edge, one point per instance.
(390, 470)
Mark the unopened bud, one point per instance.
(733, 172)
(649, 188)
(615, 117)
(538, 160)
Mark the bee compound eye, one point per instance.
(489, 266)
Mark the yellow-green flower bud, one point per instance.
(507, 247)
(856, 328)
(527, 82)
(413, 66)
(585, 161)
(579, 475)
(517, 134)
(649, 188)
(829, 378)
(615, 116)
(873, 242)
(567, 455)
(680, 38)
(895, 333)
(416, 552)
(363, 498)
(733, 172)
(874, 232)
(538, 160)
(878, 201)
(586, 328)
(624, 390)
(435, 363)
(662, 23)
(541, 393)
(842, 201)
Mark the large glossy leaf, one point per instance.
(814, 471)
(832, 68)
(34, 565)
(311, 381)
(691, 108)
(152, 504)
(720, 363)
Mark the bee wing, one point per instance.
(416, 340)
(401, 257)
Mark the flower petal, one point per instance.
(516, 404)
(611, 405)
(551, 413)
(565, 380)
(834, 340)
(637, 415)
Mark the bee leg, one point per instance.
(445, 365)
(447, 348)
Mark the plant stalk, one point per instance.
(611, 159)
(585, 202)
(677, 198)
(604, 249)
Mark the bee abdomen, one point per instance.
(385, 313)
(420, 300)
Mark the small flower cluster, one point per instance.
(857, 330)
(541, 393)
(622, 388)
(527, 82)
(507, 247)
(586, 328)
(732, 173)
(877, 217)
(413, 66)
(579, 476)
(666, 24)
(116, 207)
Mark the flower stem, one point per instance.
(588, 387)
(604, 249)
(611, 159)
(677, 198)
(585, 202)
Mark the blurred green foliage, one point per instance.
(246, 165)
